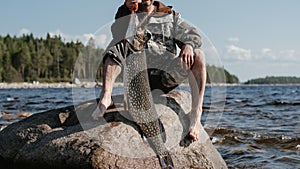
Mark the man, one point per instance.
(166, 69)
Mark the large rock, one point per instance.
(69, 138)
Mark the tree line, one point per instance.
(50, 59)
(275, 80)
(26, 59)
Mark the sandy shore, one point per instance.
(93, 84)
(35, 85)
(51, 85)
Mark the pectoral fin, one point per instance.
(162, 131)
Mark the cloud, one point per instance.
(101, 40)
(259, 62)
(266, 51)
(65, 37)
(234, 52)
(24, 31)
(57, 33)
(237, 53)
(289, 55)
(233, 40)
(268, 54)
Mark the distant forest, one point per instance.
(275, 80)
(27, 59)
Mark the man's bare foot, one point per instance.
(194, 131)
(101, 109)
(195, 126)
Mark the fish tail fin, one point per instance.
(166, 161)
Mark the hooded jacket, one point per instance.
(165, 25)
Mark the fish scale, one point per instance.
(141, 106)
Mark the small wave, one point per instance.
(211, 109)
(229, 136)
(282, 142)
(241, 101)
(289, 159)
(282, 103)
(12, 99)
(61, 102)
(7, 105)
(223, 136)
(31, 103)
(34, 97)
(298, 147)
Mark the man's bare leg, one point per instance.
(197, 81)
(111, 72)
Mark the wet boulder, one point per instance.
(69, 138)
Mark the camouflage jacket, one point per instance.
(165, 20)
(166, 27)
(167, 30)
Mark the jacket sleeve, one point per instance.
(185, 33)
(119, 27)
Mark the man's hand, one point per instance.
(132, 4)
(186, 56)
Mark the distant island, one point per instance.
(275, 80)
(49, 60)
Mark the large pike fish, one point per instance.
(137, 92)
(141, 106)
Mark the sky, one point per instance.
(252, 39)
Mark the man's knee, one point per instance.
(199, 57)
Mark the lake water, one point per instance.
(259, 127)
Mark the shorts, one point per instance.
(162, 81)
(165, 77)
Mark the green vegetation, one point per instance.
(275, 80)
(35, 59)
(220, 75)
(27, 59)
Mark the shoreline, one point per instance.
(24, 85)
(27, 85)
